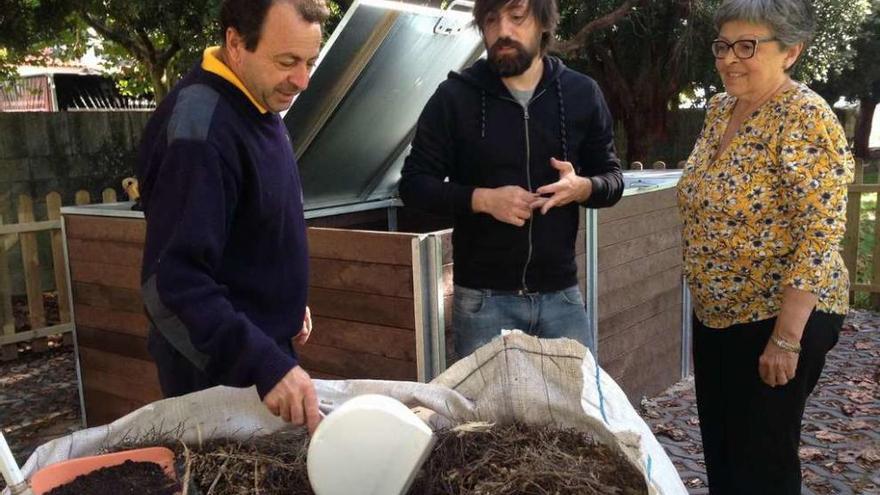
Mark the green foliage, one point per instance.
(831, 51)
(146, 45)
(862, 78)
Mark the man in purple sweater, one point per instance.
(225, 266)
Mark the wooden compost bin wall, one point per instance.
(640, 292)
(111, 330)
(361, 297)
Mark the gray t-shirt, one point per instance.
(522, 97)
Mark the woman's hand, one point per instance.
(776, 365)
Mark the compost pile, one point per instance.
(466, 460)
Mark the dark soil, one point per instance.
(134, 478)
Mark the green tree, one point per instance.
(146, 45)
(646, 54)
(861, 81)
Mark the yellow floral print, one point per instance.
(769, 212)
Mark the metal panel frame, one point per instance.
(438, 321)
(77, 363)
(421, 307)
(591, 298)
(687, 330)
(429, 315)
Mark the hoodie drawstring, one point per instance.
(563, 136)
(482, 113)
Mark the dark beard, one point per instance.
(510, 65)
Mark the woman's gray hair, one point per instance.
(791, 21)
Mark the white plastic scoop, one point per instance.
(11, 473)
(371, 445)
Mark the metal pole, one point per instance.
(686, 328)
(392, 218)
(591, 298)
(438, 322)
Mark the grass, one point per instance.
(865, 263)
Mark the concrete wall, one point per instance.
(65, 152)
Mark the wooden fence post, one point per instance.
(82, 198)
(851, 238)
(53, 206)
(31, 260)
(108, 195)
(7, 317)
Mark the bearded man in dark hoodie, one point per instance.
(511, 147)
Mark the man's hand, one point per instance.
(294, 399)
(508, 204)
(570, 187)
(777, 366)
(303, 336)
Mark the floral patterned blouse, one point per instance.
(769, 212)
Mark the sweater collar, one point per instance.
(211, 63)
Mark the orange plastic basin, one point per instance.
(64, 472)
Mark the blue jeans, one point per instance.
(479, 315)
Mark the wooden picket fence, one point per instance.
(25, 233)
(851, 241)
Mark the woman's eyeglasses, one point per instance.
(743, 49)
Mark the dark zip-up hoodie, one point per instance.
(473, 132)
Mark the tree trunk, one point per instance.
(863, 127)
(160, 86)
(645, 128)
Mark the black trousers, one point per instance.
(751, 431)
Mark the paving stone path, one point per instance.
(840, 445)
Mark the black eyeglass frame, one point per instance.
(732, 46)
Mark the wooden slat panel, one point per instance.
(379, 310)
(638, 205)
(390, 342)
(131, 230)
(624, 252)
(633, 227)
(664, 325)
(635, 271)
(393, 248)
(120, 344)
(356, 276)
(634, 316)
(320, 375)
(446, 245)
(109, 252)
(126, 277)
(622, 299)
(129, 378)
(645, 381)
(103, 407)
(115, 321)
(114, 298)
(659, 353)
(353, 364)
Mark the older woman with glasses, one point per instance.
(763, 199)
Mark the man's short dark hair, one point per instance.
(247, 17)
(545, 11)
